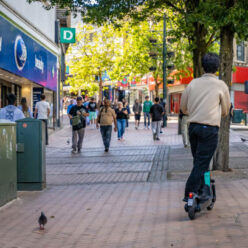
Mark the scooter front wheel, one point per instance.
(191, 213)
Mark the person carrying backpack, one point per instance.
(78, 114)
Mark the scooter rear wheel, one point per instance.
(191, 213)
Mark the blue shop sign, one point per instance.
(25, 57)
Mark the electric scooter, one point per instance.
(195, 203)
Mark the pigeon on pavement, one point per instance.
(42, 221)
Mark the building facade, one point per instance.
(240, 75)
(29, 55)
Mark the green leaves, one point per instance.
(93, 54)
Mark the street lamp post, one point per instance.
(164, 68)
(153, 68)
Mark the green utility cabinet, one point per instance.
(7, 161)
(31, 154)
(237, 116)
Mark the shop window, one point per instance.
(241, 51)
(175, 100)
(4, 92)
(241, 100)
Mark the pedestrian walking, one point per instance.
(25, 109)
(78, 114)
(74, 101)
(184, 128)
(11, 112)
(92, 106)
(115, 104)
(121, 116)
(137, 109)
(205, 99)
(42, 112)
(70, 106)
(126, 105)
(86, 105)
(146, 109)
(69, 109)
(156, 112)
(163, 104)
(105, 118)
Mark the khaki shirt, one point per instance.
(106, 118)
(206, 99)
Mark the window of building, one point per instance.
(241, 51)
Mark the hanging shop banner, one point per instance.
(133, 82)
(124, 82)
(23, 56)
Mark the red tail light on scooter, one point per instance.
(190, 195)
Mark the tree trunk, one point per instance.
(197, 64)
(221, 158)
(199, 51)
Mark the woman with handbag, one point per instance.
(121, 116)
(126, 106)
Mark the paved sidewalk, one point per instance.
(140, 137)
(128, 198)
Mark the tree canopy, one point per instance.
(201, 22)
(92, 55)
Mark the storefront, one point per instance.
(177, 82)
(132, 90)
(27, 68)
(238, 95)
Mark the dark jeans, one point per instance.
(46, 130)
(127, 124)
(203, 141)
(106, 132)
(147, 115)
(164, 120)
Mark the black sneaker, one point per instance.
(106, 149)
(205, 193)
(157, 138)
(79, 150)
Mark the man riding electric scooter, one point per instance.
(205, 100)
